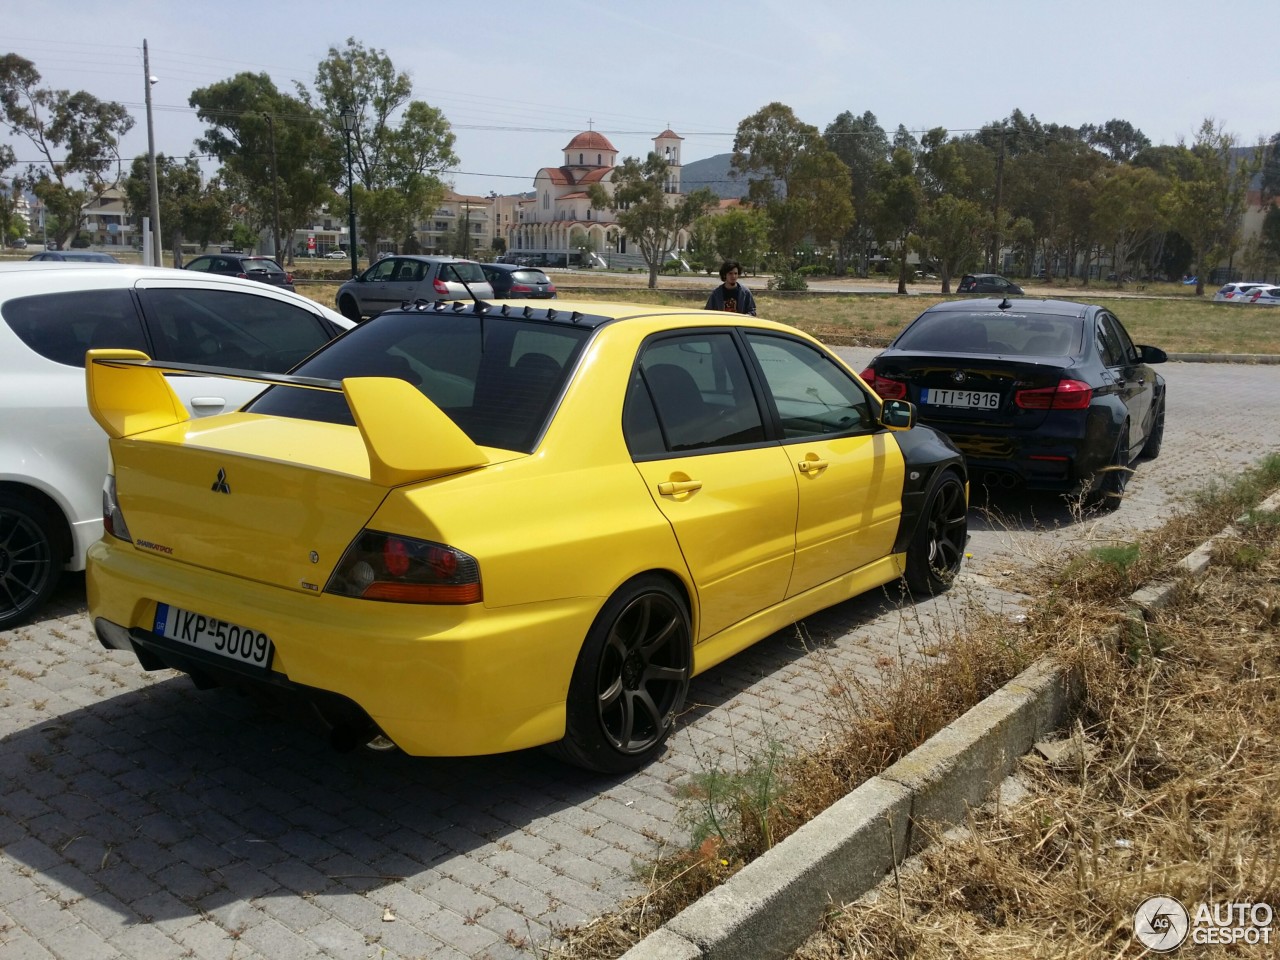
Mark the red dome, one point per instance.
(591, 140)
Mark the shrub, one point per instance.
(788, 279)
(672, 266)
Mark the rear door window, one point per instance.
(225, 328)
(62, 326)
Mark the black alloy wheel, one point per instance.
(1151, 448)
(937, 548)
(1109, 490)
(29, 568)
(349, 309)
(630, 680)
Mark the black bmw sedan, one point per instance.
(1045, 394)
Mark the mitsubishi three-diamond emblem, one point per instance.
(220, 485)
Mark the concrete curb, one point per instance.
(770, 907)
(774, 903)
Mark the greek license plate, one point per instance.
(242, 644)
(961, 398)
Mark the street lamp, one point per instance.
(349, 125)
(156, 249)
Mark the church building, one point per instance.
(555, 222)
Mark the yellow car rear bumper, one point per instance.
(437, 680)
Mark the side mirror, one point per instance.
(1151, 354)
(898, 415)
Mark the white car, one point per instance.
(1264, 296)
(53, 456)
(1237, 292)
(336, 255)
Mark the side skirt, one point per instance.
(743, 634)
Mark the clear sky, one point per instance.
(517, 80)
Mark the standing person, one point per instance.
(731, 296)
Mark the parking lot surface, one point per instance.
(140, 817)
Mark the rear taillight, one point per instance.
(242, 275)
(1067, 395)
(441, 287)
(886, 388)
(112, 517)
(288, 278)
(383, 566)
(520, 288)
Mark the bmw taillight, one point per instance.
(1067, 395)
(385, 566)
(112, 517)
(886, 388)
(440, 286)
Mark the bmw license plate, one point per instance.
(961, 398)
(241, 644)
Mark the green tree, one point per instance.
(12, 224)
(1127, 212)
(1208, 206)
(190, 210)
(76, 135)
(1271, 168)
(898, 205)
(803, 187)
(400, 147)
(650, 216)
(1119, 140)
(273, 147)
(704, 255)
(742, 234)
(956, 232)
(862, 144)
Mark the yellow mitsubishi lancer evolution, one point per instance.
(469, 529)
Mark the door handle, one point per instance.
(669, 488)
(811, 466)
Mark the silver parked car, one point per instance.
(395, 280)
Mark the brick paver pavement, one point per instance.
(142, 818)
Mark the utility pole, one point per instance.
(275, 189)
(149, 80)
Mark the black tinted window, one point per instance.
(497, 379)
(62, 326)
(224, 328)
(1006, 332)
(696, 387)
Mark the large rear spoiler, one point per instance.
(407, 437)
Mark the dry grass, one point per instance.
(1177, 789)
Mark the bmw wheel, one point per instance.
(1151, 449)
(1109, 489)
(30, 561)
(630, 680)
(937, 547)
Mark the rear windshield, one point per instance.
(264, 265)
(529, 276)
(466, 270)
(497, 379)
(1006, 333)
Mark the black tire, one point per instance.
(1151, 449)
(349, 309)
(937, 547)
(630, 680)
(31, 558)
(1108, 493)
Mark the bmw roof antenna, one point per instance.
(482, 305)
(1004, 304)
